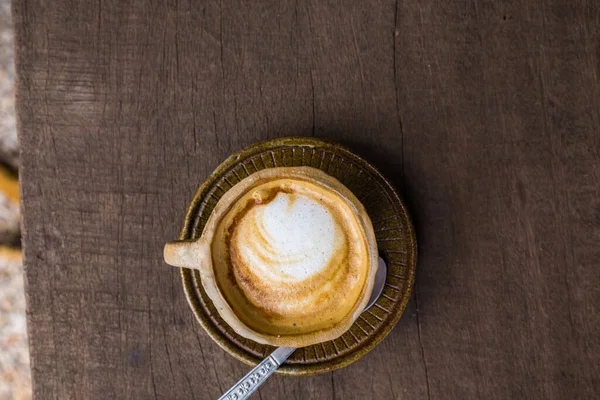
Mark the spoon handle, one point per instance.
(249, 383)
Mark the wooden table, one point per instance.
(485, 114)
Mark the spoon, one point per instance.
(259, 374)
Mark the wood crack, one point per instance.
(332, 386)
(312, 87)
(421, 345)
(150, 350)
(394, 65)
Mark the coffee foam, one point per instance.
(290, 257)
(289, 239)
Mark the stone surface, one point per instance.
(9, 150)
(15, 380)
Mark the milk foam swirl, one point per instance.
(295, 257)
(289, 239)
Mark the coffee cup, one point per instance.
(288, 257)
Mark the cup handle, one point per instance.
(187, 253)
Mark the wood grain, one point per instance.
(485, 114)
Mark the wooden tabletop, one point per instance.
(485, 115)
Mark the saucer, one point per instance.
(393, 229)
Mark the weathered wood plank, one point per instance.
(484, 114)
(499, 104)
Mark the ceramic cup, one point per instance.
(197, 254)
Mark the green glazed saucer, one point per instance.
(393, 230)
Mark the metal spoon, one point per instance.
(259, 374)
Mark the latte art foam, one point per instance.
(291, 257)
(289, 239)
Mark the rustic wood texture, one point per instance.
(486, 115)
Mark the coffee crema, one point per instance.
(290, 257)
